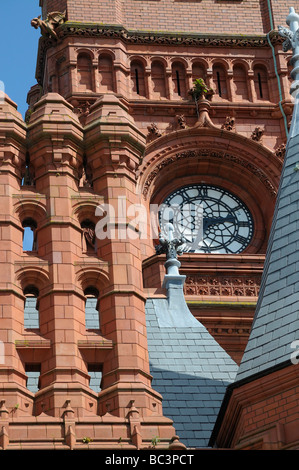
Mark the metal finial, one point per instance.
(169, 245)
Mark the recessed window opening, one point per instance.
(260, 84)
(137, 82)
(33, 375)
(29, 235)
(92, 318)
(31, 313)
(218, 83)
(95, 373)
(178, 82)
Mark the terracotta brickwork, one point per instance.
(267, 417)
(162, 15)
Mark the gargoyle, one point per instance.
(48, 26)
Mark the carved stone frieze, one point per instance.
(202, 153)
(240, 286)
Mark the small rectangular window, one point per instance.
(33, 374)
(31, 313)
(95, 373)
(92, 320)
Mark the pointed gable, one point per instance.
(276, 322)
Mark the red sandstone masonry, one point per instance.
(207, 16)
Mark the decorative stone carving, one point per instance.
(243, 286)
(181, 121)
(48, 26)
(229, 124)
(153, 132)
(211, 154)
(280, 151)
(257, 134)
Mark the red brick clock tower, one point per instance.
(113, 118)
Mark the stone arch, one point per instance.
(84, 71)
(261, 81)
(31, 275)
(158, 77)
(240, 81)
(106, 71)
(248, 169)
(137, 75)
(179, 78)
(220, 69)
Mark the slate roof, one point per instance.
(189, 368)
(276, 321)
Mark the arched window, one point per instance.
(240, 83)
(31, 313)
(219, 78)
(106, 77)
(261, 83)
(92, 318)
(89, 244)
(158, 80)
(29, 235)
(198, 71)
(179, 80)
(84, 69)
(138, 78)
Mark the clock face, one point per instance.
(211, 219)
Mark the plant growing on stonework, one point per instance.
(86, 440)
(155, 440)
(200, 90)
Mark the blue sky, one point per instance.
(18, 48)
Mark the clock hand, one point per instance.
(217, 220)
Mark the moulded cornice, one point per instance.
(161, 38)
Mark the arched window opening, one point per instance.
(28, 174)
(158, 80)
(261, 83)
(198, 71)
(84, 69)
(106, 77)
(95, 372)
(89, 240)
(179, 80)
(219, 78)
(92, 318)
(240, 83)
(138, 78)
(31, 312)
(29, 235)
(33, 375)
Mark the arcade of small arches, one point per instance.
(160, 78)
